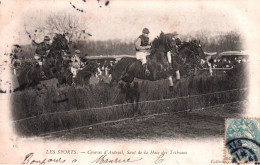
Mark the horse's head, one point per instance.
(60, 43)
(193, 48)
(191, 52)
(197, 48)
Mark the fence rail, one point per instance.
(216, 68)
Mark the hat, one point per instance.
(175, 33)
(146, 31)
(77, 51)
(17, 46)
(47, 38)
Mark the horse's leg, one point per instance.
(14, 71)
(195, 71)
(210, 71)
(169, 58)
(178, 76)
(132, 96)
(68, 79)
(111, 82)
(137, 97)
(154, 73)
(171, 83)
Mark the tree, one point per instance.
(62, 23)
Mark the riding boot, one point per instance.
(169, 58)
(147, 72)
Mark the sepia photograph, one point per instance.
(110, 70)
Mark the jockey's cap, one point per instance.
(47, 38)
(175, 33)
(77, 51)
(146, 31)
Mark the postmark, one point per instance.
(242, 139)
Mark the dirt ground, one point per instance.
(197, 124)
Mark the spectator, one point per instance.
(76, 64)
(223, 63)
(229, 64)
(218, 63)
(214, 64)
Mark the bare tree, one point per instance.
(61, 23)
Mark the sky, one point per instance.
(122, 20)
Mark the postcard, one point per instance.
(129, 82)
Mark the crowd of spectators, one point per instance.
(224, 62)
(104, 68)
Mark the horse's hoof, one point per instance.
(147, 73)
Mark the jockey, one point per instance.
(171, 55)
(14, 57)
(76, 63)
(142, 46)
(42, 50)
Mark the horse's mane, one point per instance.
(158, 42)
(155, 43)
(184, 45)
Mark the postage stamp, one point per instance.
(242, 141)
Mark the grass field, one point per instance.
(63, 102)
(197, 124)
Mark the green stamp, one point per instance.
(242, 141)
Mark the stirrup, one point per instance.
(147, 72)
(43, 74)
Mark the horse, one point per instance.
(29, 73)
(127, 69)
(189, 57)
(58, 47)
(83, 75)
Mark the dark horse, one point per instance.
(127, 69)
(83, 75)
(189, 57)
(29, 73)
